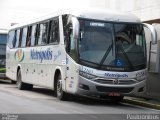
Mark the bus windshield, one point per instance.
(112, 46)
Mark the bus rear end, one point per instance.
(3, 40)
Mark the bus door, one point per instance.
(71, 60)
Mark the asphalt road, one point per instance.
(41, 101)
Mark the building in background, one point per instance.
(18, 11)
(146, 10)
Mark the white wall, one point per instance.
(16, 11)
(145, 9)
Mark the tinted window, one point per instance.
(54, 31)
(10, 39)
(96, 39)
(14, 38)
(45, 33)
(33, 35)
(24, 35)
(28, 42)
(40, 34)
(65, 28)
(17, 38)
(130, 44)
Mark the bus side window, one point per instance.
(17, 36)
(28, 41)
(40, 34)
(24, 37)
(65, 29)
(20, 38)
(37, 34)
(69, 41)
(14, 39)
(54, 31)
(71, 45)
(10, 38)
(45, 33)
(33, 35)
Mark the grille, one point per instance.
(126, 82)
(120, 82)
(104, 81)
(113, 89)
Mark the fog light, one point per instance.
(83, 86)
(141, 89)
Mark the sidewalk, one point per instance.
(149, 103)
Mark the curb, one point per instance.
(142, 103)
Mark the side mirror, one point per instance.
(153, 32)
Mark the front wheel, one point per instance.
(61, 95)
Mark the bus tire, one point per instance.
(13, 82)
(21, 85)
(61, 95)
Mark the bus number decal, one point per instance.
(87, 70)
(139, 74)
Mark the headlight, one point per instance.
(86, 75)
(141, 78)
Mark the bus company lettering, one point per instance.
(112, 75)
(41, 55)
(57, 55)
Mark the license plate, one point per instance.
(114, 94)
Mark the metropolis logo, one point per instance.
(19, 55)
(115, 81)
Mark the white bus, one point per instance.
(3, 42)
(91, 53)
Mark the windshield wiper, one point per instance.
(89, 63)
(105, 55)
(124, 53)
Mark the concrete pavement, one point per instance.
(39, 93)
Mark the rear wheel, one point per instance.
(59, 91)
(13, 82)
(21, 85)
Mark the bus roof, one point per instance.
(107, 15)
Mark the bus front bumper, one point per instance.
(93, 89)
